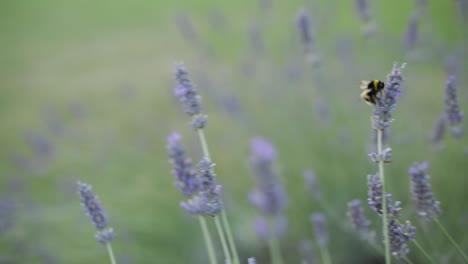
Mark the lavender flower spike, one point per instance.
(383, 110)
(94, 210)
(311, 183)
(438, 130)
(270, 196)
(305, 31)
(399, 234)
(363, 9)
(182, 166)
(187, 94)
(358, 220)
(423, 199)
(208, 201)
(375, 193)
(320, 226)
(412, 32)
(251, 261)
(452, 109)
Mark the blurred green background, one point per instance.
(87, 95)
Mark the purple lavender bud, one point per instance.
(186, 27)
(399, 234)
(438, 130)
(40, 144)
(281, 225)
(270, 196)
(205, 203)
(208, 201)
(423, 199)
(412, 32)
(186, 92)
(261, 229)
(7, 209)
(452, 109)
(251, 261)
(311, 183)
(375, 193)
(305, 30)
(92, 206)
(256, 39)
(199, 121)
(182, 166)
(383, 110)
(307, 252)
(320, 226)
(364, 11)
(105, 236)
(358, 220)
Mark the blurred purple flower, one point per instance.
(251, 261)
(412, 32)
(452, 109)
(186, 27)
(307, 252)
(7, 210)
(39, 144)
(105, 236)
(363, 10)
(183, 170)
(305, 30)
(186, 92)
(256, 39)
(311, 184)
(358, 220)
(320, 226)
(260, 226)
(270, 197)
(423, 199)
(77, 109)
(438, 130)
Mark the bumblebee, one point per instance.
(372, 90)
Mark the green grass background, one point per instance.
(56, 54)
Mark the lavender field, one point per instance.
(233, 132)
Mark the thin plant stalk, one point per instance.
(388, 259)
(230, 238)
(227, 255)
(111, 253)
(423, 251)
(274, 245)
(226, 226)
(455, 244)
(325, 254)
(208, 242)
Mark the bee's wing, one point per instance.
(364, 85)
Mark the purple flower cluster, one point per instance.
(305, 30)
(452, 109)
(363, 9)
(187, 95)
(208, 201)
(92, 207)
(311, 183)
(412, 32)
(307, 253)
(423, 199)
(320, 226)
(183, 169)
(270, 197)
(383, 110)
(359, 221)
(399, 235)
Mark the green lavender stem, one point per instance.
(111, 253)
(230, 237)
(227, 255)
(226, 226)
(273, 245)
(325, 254)
(208, 242)
(388, 259)
(423, 251)
(442, 228)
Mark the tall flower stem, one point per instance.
(225, 223)
(227, 255)
(388, 259)
(208, 242)
(111, 253)
(273, 245)
(325, 254)
(423, 251)
(455, 244)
